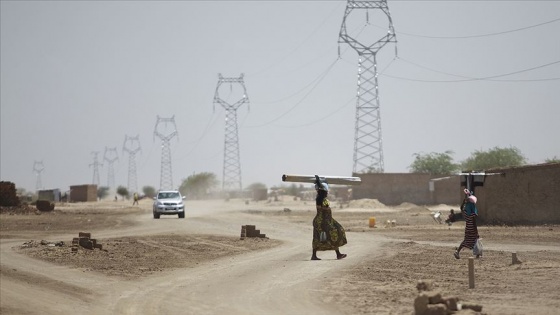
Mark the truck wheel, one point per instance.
(181, 215)
(156, 215)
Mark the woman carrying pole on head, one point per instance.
(328, 234)
(470, 212)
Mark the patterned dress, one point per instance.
(323, 221)
(471, 231)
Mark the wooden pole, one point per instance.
(514, 259)
(471, 272)
(334, 180)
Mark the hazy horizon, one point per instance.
(77, 77)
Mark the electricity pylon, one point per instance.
(166, 174)
(38, 168)
(368, 146)
(110, 155)
(131, 145)
(96, 165)
(232, 165)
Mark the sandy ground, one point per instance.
(199, 265)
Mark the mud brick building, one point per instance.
(527, 194)
(83, 193)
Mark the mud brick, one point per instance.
(99, 246)
(256, 233)
(243, 232)
(86, 243)
(84, 234)
(451, 303)
(436, 309)
(74, 249)
(75, 241)
(474, 307)
(435, 297)
(250, 230)
(93, 241)
(421, 303)
(262, 235)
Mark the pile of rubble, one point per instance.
(21, 209)
(84, 240)
(431, 302)
(31, 244)
(251, 231)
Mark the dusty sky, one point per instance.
(76, 77)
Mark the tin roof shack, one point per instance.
(49, 195)
(83, 193)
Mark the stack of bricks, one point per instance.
(84, 240)
(431, 302)
(8, 194)
(251, 231)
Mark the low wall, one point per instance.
(396, 188)
(522, 195)
(518, 195)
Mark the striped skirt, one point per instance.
(471, 231)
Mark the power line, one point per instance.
(318, 80)
(299, 45)
(324, 117)
(469, 79)
(480, 35)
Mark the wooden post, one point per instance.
(514, 259)
(471, 272)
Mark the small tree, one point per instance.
(197, 186)
(102, 192)
(553, 160)
(494, 158)
(149, 191)
(255, 186)
(123, 192)
(293, 190)
(434, 163)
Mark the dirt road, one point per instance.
(274, 277)
(281, 280)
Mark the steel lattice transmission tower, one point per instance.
(165, 133)
(38, 168)
(232, 165)
(110, 155)
(131, 145)
(96, 165)
(368, 146)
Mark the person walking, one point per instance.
(470, 212)
(328, 234)
(135, 199)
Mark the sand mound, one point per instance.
(366, 204)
